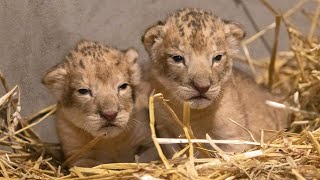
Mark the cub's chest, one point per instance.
(116, 151)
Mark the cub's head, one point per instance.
(191, 54)
(95, 87)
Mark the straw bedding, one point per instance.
(294, 153)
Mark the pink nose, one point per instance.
(109, 115)
(201, 88)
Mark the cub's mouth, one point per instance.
(199, 97)
(199, 102)
(109, 125)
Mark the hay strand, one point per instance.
(274, 52)
(153, 131)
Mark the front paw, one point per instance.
(148, 155)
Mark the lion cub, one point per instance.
(191, 61)
(96, 88)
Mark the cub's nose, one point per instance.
(109, 115)
(201, 88)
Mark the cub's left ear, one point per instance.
(55, 80)
(152, 36)
(234, 32)
(131, 55)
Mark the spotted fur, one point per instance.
(198, 36)
(101, 71)
(214, 92)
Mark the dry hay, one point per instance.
(286, 155)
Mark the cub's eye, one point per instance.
(217, 58)
(178, 59)
(123, 86)
(84, 91)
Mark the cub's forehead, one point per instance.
(196, 27)
(93, 57)
(187, 15)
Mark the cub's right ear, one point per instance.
(234, 32)
(151, 36)
(55, 80)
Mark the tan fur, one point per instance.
(199, 36)
(102, 70)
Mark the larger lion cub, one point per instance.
(191, 61)
(96, 88)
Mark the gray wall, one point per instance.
(35, 35)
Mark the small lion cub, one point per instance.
(191, 54)
(96, 88)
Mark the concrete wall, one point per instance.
(36, 34)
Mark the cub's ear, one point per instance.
(234, 32)
(55, 80)
(131, 56)
(151, 35)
